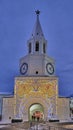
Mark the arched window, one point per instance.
(37, 46)
(44, 49)
(29, 47)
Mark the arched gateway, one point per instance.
(30, 106)
(36, 112)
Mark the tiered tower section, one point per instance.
(36, 62)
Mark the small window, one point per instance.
(37, 46)
(9, 117)
(44, 48)
(36, 72)
(29, 47)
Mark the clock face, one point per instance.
(24, 68)
(50, 68)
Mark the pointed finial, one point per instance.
(37, 12)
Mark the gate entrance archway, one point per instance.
(36, 112)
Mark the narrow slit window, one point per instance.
(29, 47)
(44, 49)
(37, 46)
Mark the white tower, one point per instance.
(36, 89)
(36, 62)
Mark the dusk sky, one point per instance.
(17, 18)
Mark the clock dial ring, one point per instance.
(50, 68)
(24, 68)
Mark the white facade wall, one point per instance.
(38, 63)
(8, 110)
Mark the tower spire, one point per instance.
(37, 30)
(37, 42)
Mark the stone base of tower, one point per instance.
(38, 97)
(23, 108)
(35, 98)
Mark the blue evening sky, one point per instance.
(17, 18)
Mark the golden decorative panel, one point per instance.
(36, 87)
